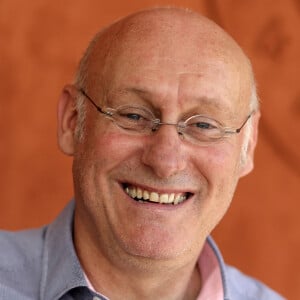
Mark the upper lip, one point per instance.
(159, 190)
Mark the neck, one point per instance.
(122, 276)
(115, 285)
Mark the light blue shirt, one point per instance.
(42, 264)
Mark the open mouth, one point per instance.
(145, 196)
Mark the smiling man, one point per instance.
(162, 122)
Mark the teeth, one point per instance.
(132, 192)
(139, 193)
(146, 195)
(176, 201)
(171, 197)
(154, 197)
(165, 198)
(179, 199)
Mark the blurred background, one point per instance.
(41, 43)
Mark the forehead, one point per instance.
(164, 81)
(176, 62)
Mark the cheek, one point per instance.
(108, 145)
(219, 168)
(99, 153)
(218, 160)
(116, 152)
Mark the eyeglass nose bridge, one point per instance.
(180, 126)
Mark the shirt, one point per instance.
(41, 264)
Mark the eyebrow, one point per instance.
(139, 92)
(211, 101)
(143, 93)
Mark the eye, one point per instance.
(203, 128)
(134, 117)
(133, 114)
(204, 125)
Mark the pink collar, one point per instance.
(212, 285)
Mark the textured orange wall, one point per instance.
(41, 42)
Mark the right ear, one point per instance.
(67, 119)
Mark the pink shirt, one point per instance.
(212, 287)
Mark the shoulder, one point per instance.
(247, 288)
(21, 261)
(20, 248)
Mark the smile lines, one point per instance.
(144, 196)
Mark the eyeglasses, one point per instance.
(198, 129)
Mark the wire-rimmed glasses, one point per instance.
(198, 128)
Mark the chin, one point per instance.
(156, 244)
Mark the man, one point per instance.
(161, 122)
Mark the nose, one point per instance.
(165, 153)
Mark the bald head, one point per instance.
(176, 27)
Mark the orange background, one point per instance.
(41, 43)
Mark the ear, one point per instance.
(247, 163)
(66, 119)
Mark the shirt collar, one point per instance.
(222, 266)
(61, 268)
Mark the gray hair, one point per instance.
(81, 80)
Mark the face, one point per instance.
(174, 79)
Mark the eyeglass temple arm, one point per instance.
(239, 129)
(91, 100)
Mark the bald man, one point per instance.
(161, 123)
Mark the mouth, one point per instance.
(146, 196)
